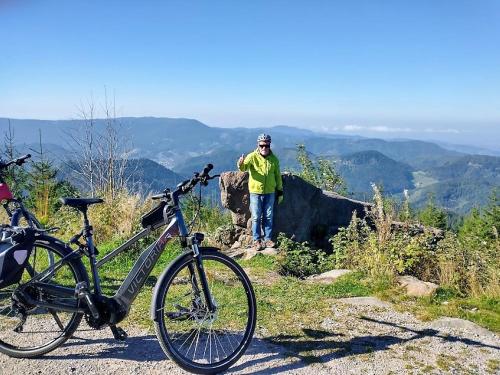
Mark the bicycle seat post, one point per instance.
(88, 233)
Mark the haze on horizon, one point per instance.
(387, 69)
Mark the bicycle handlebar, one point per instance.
(186, 186)
(19, 161)
(202, 177)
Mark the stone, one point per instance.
(249, 254)
(328, 277)
(415, 287)
(246, 253)
(271, 251)
(460, 325)
(306, 214)
(235, 253)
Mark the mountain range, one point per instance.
(167, 150)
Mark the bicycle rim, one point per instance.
(197, 340)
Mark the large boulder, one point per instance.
(415, 287)
(307, 212)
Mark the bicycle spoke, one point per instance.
(210, 339)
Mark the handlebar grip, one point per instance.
(206, 170)
(22, 159)
(158, 196)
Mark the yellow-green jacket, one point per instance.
(265, 175)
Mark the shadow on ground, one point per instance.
(271, 355)
(323, 346)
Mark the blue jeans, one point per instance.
(261, 208)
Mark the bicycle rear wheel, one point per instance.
(26, 329)
(197, 340)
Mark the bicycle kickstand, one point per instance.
(118, 333)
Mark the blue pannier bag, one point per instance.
(16, 245)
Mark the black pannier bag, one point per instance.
(154, 218)
(16, 245)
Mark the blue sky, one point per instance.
(413, 69)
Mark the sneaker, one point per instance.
(270, 243)
(257, 245)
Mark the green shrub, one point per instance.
(348, 243)
(467, 263)
(299, 259)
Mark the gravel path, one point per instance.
(363, 336)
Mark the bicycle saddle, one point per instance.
(80, 202)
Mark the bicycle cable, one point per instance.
(191, 224)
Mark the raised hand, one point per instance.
(241, 159)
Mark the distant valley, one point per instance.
(164, 151)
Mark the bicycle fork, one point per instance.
(197, 269)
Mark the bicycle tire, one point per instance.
(18, 215)
(227, 281)
(48, 328)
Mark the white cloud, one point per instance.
(431, 130)
(388, 129)
(352, 128)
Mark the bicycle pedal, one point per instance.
(118, 333)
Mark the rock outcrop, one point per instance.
(307, 213)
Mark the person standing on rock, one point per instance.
(264, 184)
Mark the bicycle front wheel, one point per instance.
(196, 339)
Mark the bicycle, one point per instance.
(203, 304)
(16, 211)
(19, 211)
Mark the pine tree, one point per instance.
(322, 174)
(492, 215)
(432, 215)
(44, 188)
(15, 176)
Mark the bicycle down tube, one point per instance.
(136, 278)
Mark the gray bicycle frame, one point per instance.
(142, 268)
(137, 276)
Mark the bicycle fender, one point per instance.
(65, 250)
(181, 258)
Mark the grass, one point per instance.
(493, 366)
(445, 362)
(287, 305)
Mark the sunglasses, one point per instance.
(264, 146)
